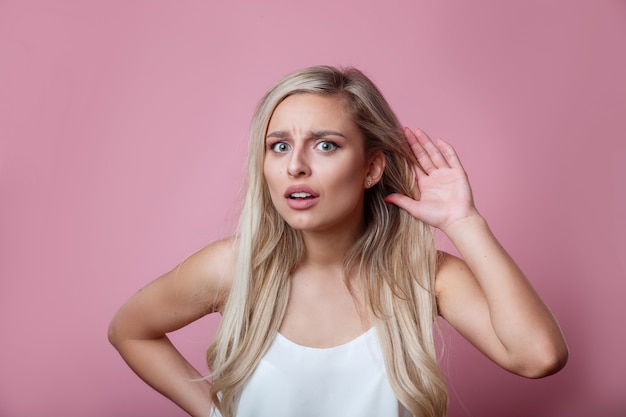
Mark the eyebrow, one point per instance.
(282, 134)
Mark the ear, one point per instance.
(375, 169)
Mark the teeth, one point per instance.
(300, 195)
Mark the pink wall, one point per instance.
(122, 128)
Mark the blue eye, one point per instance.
(326, 146)
(280, 147)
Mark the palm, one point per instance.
(445, 193)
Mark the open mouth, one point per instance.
(295, 196)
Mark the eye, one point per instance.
(326, 146)
(280, 147)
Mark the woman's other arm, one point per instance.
(485, 296)
(198, 286)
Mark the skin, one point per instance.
(484, 296)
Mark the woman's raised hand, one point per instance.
(445, 193)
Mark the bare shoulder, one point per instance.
(206, 275)
(450, 269)
(456, 287)
(198, 286)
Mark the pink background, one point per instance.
(122, 138)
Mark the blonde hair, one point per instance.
(395, 256)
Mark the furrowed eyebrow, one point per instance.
(323, 133)
(282, 134)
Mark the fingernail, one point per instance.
(387, 200)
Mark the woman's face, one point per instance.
(315, 164)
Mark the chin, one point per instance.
(298, 221)
(304, 225)
(301, 226)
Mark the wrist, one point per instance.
(473, 222)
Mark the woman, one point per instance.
(330, 288)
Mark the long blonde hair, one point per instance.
(395, 256)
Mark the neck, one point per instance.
(328, 248)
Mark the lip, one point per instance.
(301, 203)
(300, 189)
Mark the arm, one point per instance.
(485, 296)
(197, 287)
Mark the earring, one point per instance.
(369, 183)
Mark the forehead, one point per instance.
(312, 111)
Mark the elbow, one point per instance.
(545, 361)
(113, 333)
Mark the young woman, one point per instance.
(330, 289)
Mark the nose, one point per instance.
(298, 165)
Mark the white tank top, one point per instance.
(299, 381)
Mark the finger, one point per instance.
(423, 158)
(419, 172)
(401, 201)
(449, 154)
(433, 151)
(404, 202)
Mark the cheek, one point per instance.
(347, 179)
(267, 173)
(270, 176)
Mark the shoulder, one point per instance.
(199, 284)
(454, 283)
(460, 298)
(449, 269)
(194, 288)
(208, 273)
(214, 261)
